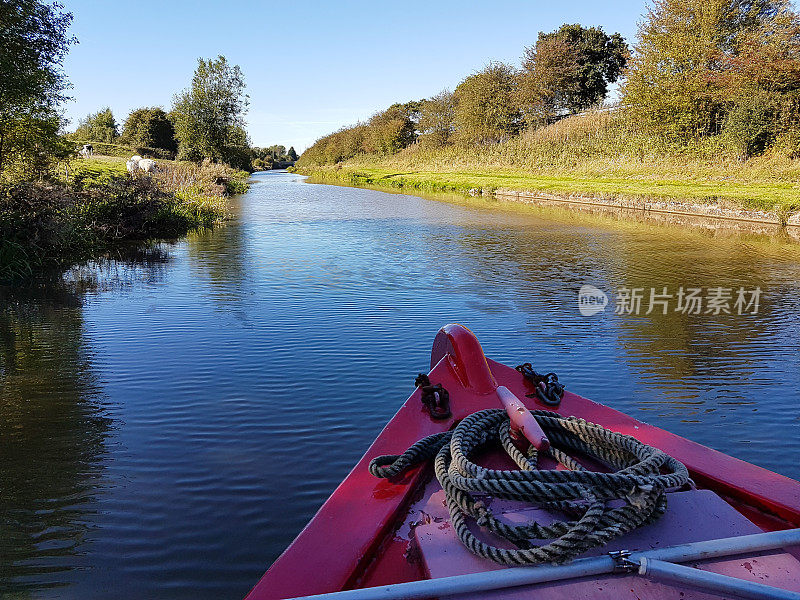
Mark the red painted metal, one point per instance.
(352, 542)
(460, 348)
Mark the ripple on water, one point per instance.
(169, 438)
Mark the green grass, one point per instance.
(124, 151)
(96, 171)
(598, 155)
(768, 196)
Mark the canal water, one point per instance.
(171, 420)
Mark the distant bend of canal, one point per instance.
(169, 422)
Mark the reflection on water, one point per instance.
(52, 437)
(155, 434)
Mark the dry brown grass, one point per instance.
(207, 178)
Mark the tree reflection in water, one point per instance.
(54, 422)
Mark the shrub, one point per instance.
(44, 226)
(208, 178)
(750, 124)
(485, 109)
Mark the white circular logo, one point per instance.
(591, 300)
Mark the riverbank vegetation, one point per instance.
(57, 208)
(99, 207)
(708, 110)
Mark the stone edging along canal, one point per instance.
(716, 216)
(690, 214)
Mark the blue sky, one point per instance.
(310, 67)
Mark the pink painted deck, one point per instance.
(357, 538)
(692, 516)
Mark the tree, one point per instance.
(278, 151)
(265, 157)
(675, 84)
(337, 146)
(33, 44)
(485, 110)
(548, 80)
(393, 129)
(98, 127)
(759, 84)
(437, 119)
(149, 128)
(569, 70)
(209, 115)
(32, 143)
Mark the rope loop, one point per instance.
(639, 478)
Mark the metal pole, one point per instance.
(723, 547)
(712, 582)
(517, 576)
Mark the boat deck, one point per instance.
(692, 516)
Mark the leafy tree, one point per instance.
(209, 115)
(275, 153)
(437, 119)
(98, 127)
(149, 128)
(485, 110)
(32, 143)
(33, 44)
(278, 151)
(759, 83)
(238, 154)
(569, 70)
(548, 80)
(686, 52)
(337, 146)
(393, 129)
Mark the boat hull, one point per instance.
(352, 541)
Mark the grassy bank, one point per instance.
(591, 155)
(96, 205)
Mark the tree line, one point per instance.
(699, 69)
(205, 121)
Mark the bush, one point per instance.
(51, 226)
(788, 144)
(208, 178)
(750, 124)
(486, 110)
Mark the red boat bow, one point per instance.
(351, 542)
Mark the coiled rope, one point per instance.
(641, 477)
